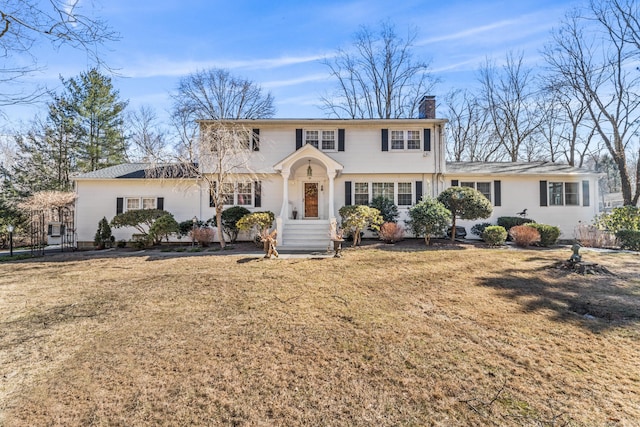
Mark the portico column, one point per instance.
(284, 210)
(332, 213)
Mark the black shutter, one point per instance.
(385, 139)
(585, 193)
(418, 191)
(257, 197)
(543, 193)
(427, 139)
(497, 193)
(160, 203)
(298, 139)
(49, 230)
(340, 139)
(255, 140)
(347, 193)
(454, 182)
(119, 205)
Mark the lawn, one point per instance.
(456, 335)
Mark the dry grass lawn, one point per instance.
(452, 336)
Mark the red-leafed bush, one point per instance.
(203, 235)
(390, 232)
(524, 236)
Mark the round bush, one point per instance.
(494, 235)
(524, 235)
(548, 233)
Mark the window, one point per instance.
(244, 194)
(311, 137)
(556, 195)
(397, 140)
(236, 194)
(361, 195)
(404, 194)
(571, 195)
(328, 140)
(485, 189)
(325, 140)
(412, 138)
(134, 203)
(384, 189)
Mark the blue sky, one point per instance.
(279, 45)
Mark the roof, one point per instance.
(137, 171)
(328, 121)
(514, 168)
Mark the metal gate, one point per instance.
(37, 233)
(67, 229)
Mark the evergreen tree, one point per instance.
(98, 120)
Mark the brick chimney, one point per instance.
(427, 107)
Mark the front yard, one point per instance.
(452, 336)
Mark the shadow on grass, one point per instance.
(597, 305)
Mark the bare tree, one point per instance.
(509, 95)
(379, 78)
(592, 55)
(26, 23)
(147, 139)
(468, 129)
(220, 156)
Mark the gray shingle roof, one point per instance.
(514, 168)
(135, 170)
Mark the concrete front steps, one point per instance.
(305, 234)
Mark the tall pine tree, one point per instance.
(98, 120)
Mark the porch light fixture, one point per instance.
(309, 170)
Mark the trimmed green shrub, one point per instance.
(548, 233)
(428, 217)
(524, 236)
(622, 218)
(511, 221)
(230, 218)
(494, 235)
(465, 203)
(358, 217)
(479, 228)
(103, 238)
(163, 227)
(629, 239)
(387, 208)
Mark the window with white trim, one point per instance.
(382, 189)
(564, 194)
(236, 194)
(324, 140)
(361, 193)
(135, 203)
(405, 140)
(405, 195)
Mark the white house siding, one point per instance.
(97, 199)
(523, 192)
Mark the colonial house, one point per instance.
(309, 168)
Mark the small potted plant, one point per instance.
(295, 213)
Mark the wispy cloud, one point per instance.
(164, 67)
(467, 33)
(295, 81)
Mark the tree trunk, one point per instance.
(219, 225)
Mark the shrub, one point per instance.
(103, 238)
(479, 228)
(391, 232)
(163, 227)
(387, 208)
(356, 218)
(494, 235)
(230, 217)
(622, 218)
(203, 235)
(429, 217)
(465, 203)
(629, 239)
(140, 219)
(524, 236)
(548, 233)
(260, 220)
(511, 221)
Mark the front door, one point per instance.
(311, 200)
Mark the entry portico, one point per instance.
(308, 181)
